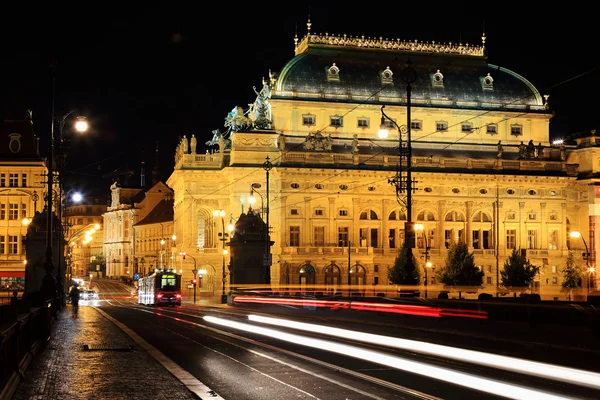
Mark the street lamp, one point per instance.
(76, 198)
(162, 249)
(221, 213)
(267, 166)
(252, 199)
(404, 184)
(52, 289)
(590, 270)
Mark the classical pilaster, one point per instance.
(522, 231)
(385, 207)
(468, 232)
(442, 224)
(354, 231)
(306, 239)
(331, 228)
(544, 230)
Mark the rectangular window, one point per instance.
(294, 236)
(476, 242)
(554, 269)
(363, 122)
(392, 238)
(374, 237)
(492, 129)
(416, 125)
(532, 236)
(553, 240)
(364, 232)
(13, 211)
(13, 244)
(554, 280)
(319, 212)
(23, 180)
(343, 213)
(294, 211)
(336, 121)
(23, 249)
(2, 244)
(375, 280)
(2, 211)
(487, 239)
(466, 128)
(2, 180)
(319, 238)
(13, 180)
(343, 236)
(516, 130)
(441, 126)
(23, 210)
(489, 280)
(308, 120)
(532, 216)
(511, 238)
(389, 125)
(510, 216)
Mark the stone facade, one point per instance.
(484, 169)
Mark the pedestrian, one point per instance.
(74, 297)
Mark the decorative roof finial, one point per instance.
(296, 37)
(308, 24)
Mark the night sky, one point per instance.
(150, 74)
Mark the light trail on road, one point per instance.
(543, 370)
(458, 378)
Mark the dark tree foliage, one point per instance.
(398, 274)
(460, 268)
(517, 272)
(572, 274)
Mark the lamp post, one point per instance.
(52, 289)
(404, 184)
(421, 227)
(267, 166)
(590, 270)
(252, 199)
(77, 197)
(221, 213)
(184, 254)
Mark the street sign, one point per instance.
(190, 286)
(136, 277)
(267, 260)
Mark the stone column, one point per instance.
(468, 233)
(522, 238)
(354, 235)
(544, 230)
(385, 224)
(305, 238)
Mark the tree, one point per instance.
(517, 272)
(572, 274)
(398, 275)
(460, 268)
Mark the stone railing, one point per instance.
(23, 333)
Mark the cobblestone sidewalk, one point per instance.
(89, 357)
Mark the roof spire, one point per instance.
(296, 37)
(308, 24)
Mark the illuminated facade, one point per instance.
(484, 168)
(22, 192)
(84, 237)
(129, 205)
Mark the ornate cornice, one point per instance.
(391, 44)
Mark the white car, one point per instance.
(89, 295)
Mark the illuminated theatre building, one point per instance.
(475, 177)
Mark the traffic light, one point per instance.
(194, 281)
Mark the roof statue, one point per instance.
(236, 120)
(260, 110)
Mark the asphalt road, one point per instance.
(242, 362)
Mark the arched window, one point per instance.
(454, 216)
(358, 275)
(481, 216)
(307, 274)
(333, 275)
(369, 214)
(201, 232)
(425, 216)
(397, 215)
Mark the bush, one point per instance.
(485, 297)
(443, 295)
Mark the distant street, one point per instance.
(263, 359)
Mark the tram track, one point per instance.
(189, 316)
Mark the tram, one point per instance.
(163, 287)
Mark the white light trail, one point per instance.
(458, 378)
(543, 370)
